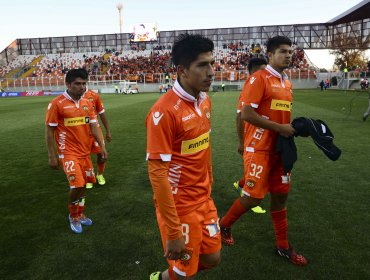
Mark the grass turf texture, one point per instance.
(328, 207)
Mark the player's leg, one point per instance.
(210, 251)
(238, 186)
(89, 177)
(101, 167)
(187, 266)
(279, 188)
(256, 172)
(72, 169)
(100, 161)
(94, 150)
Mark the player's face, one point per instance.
(77, 88)
(280, 59)
(199, 75)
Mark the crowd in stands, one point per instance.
(139, 62)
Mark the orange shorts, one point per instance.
(79, 171)
(95, 148)
(263, 173)
(201, 232)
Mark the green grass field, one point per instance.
(328, 207)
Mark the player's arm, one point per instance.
(250, 115)
(104, 120)
(52, 155)
(158, 175)
(98, 137)
(240, 132)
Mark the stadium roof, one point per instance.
(358, 12)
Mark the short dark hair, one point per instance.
(275, 42)
(187, 47)
(256, 62)
(73, 74)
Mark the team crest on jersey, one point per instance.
(186, 257)
(208, 113)
(91, 99)
(85, 108)
(250, 184)
(71, 178)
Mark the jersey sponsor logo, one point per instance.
(281, 105)
(76, 121)
(275, 85)
(195, 145)
(69, 107)
(156, 117)
(252, 80)
(268, 77)
(188, 117)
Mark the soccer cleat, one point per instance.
(85, 221)
(75, 224)
(258, 210)
(89, 185)
(292, 256)
(156, 276)
(101, 179)
(226, 235)
(364, 118)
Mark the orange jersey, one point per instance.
(270, 94)
(71, 120)
(178, 131)
(95, 99)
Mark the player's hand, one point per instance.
(104, 154)
(175, 248)
(286, 130)
(53, 163)
(108, 136)
(241, 149)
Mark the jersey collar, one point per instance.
(273, 72)
(276, 73)
(177, 88)
(66, 95)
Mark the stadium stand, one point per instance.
(149, 66)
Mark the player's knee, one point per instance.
(278, 201)
(210, 261)
(100, 158)
(250, 202)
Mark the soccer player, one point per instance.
(267, 109)
(179, 163)
(69, 120)
(254, 65)
(96, 149)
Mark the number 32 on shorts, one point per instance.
(255, 170)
